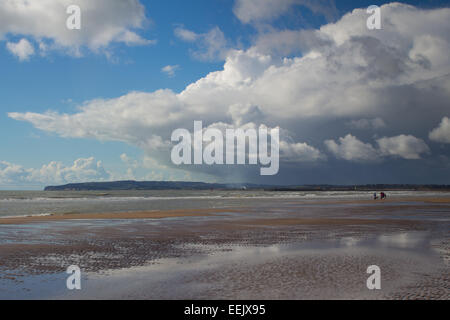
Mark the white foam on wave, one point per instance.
(27, 215)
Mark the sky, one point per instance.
(353, 105)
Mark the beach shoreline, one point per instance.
(162, 214)
(284, 249)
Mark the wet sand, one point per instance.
(276, 250)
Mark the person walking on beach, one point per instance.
(383, 196)
(375, 197)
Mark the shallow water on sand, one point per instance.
(259, 248)
(331, 269)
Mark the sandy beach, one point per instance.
(279, 249)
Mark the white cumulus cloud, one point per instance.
(404, 146)
(352, 149)
(22, 49)
(441, 133)
(81, 170)
(300, 152)
(102, 23)
(170, 70)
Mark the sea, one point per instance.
(43, 203)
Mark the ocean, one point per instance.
(41, 203)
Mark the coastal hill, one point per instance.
(143, 185)
(183, 185)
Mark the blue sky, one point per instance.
(60, 81)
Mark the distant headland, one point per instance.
(184, 185)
